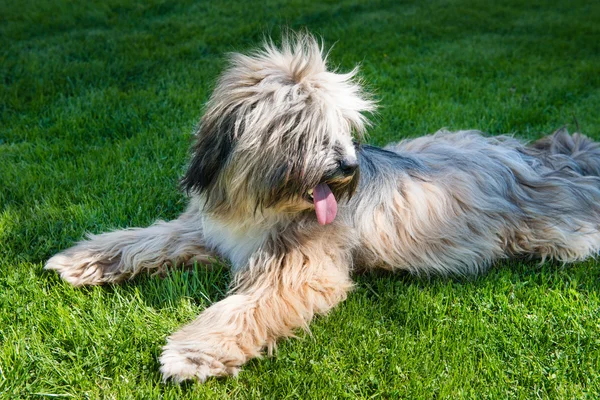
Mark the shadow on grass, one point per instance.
(582, 276)
(203, 284)
(207, 284)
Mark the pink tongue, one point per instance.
(325, 204)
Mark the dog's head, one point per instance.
(278, 133)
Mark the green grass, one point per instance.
(97, 103)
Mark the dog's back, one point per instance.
(455, 202)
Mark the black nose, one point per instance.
(348, 165)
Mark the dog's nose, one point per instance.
(348, 165)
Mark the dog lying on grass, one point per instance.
(281, 188)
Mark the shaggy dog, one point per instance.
(281, 188)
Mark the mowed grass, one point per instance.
(98, 100)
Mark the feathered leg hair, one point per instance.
(283, 288)
(115, 256)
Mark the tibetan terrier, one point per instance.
(281, 186)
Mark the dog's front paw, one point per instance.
(196, 362)
(80, 266)
(76, 270)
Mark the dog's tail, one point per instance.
(576, 152)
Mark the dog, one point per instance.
(281, 185)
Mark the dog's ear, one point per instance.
(210, 154)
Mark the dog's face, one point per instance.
(278, 133)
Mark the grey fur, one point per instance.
(503, 199)
(280, 124)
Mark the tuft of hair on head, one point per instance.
(277, 107)
(303, 60)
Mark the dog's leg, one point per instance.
(275, 295)
(114, 256)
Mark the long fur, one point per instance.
(277, 125)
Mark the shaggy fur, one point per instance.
(275, 157)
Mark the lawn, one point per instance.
(98, 100)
